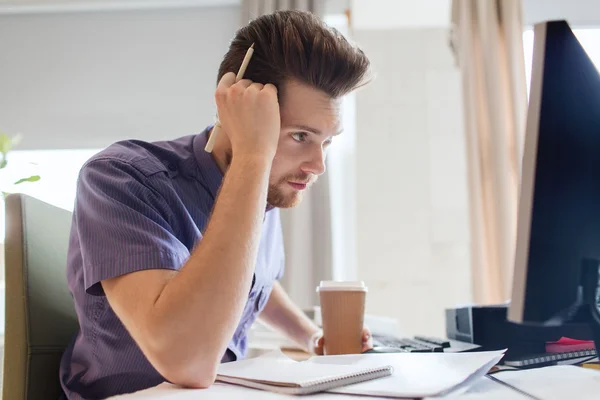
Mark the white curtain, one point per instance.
(307, 228)
(487, 39)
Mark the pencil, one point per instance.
(217, 128)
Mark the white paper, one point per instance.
(416, 374)
(276, 367)
(484, 389)
(556, 382)
(470, 381)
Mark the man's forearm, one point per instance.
(282, 313)
(201, 306)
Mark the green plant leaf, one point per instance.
(6, 143)
(33, 178)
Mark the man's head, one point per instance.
(313, 66)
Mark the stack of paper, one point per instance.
(415, 375)
(418, 374)
(556, 382)
(275, 372)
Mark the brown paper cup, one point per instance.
(342, 313)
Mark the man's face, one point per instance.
(309, 120)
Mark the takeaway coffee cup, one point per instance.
(342, 314)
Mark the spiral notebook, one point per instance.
(275, 372)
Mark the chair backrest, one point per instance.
(40, 313)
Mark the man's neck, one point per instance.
(222, 153)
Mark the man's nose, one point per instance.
(316, 164)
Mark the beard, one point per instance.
(281, 195)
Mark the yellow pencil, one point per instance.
(217, 128)
(593, 365)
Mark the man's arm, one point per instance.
(183, 320)
(282, 313)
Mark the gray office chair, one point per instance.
(40, 313)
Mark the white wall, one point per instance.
(578, 13)
(394, 14)
(53, 6)
(87, 79)
(413, 230)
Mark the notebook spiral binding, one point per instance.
(331, 383)
(314, 386)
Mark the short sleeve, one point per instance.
(122, 223)
(281, 269)
(281, 246)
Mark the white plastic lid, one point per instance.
(356, 286)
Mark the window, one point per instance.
(58, 170)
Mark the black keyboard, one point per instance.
(538, 360)
(418, 344)
(440, 342)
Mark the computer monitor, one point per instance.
(558, 229)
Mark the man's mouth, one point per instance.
(298, 185)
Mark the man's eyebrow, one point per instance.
(311, 129)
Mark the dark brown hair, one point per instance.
(297, 45)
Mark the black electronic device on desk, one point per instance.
(488, 327)
(555, 288)
(557, 261)
(418, 344)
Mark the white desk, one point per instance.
(544, 383)
(553, 384)
(261, 343)
(485, 389)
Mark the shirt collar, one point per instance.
(208, 168)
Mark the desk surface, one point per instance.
(483, 389)
(551, 383)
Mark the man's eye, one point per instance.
(299, 136)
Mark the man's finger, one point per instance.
(366, 334)
(226, 81)
(270, 87)
(245, 83)
(257, 86)
(319, 342)
(319, 346)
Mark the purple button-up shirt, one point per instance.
(144, 206)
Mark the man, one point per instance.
(174, 251)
